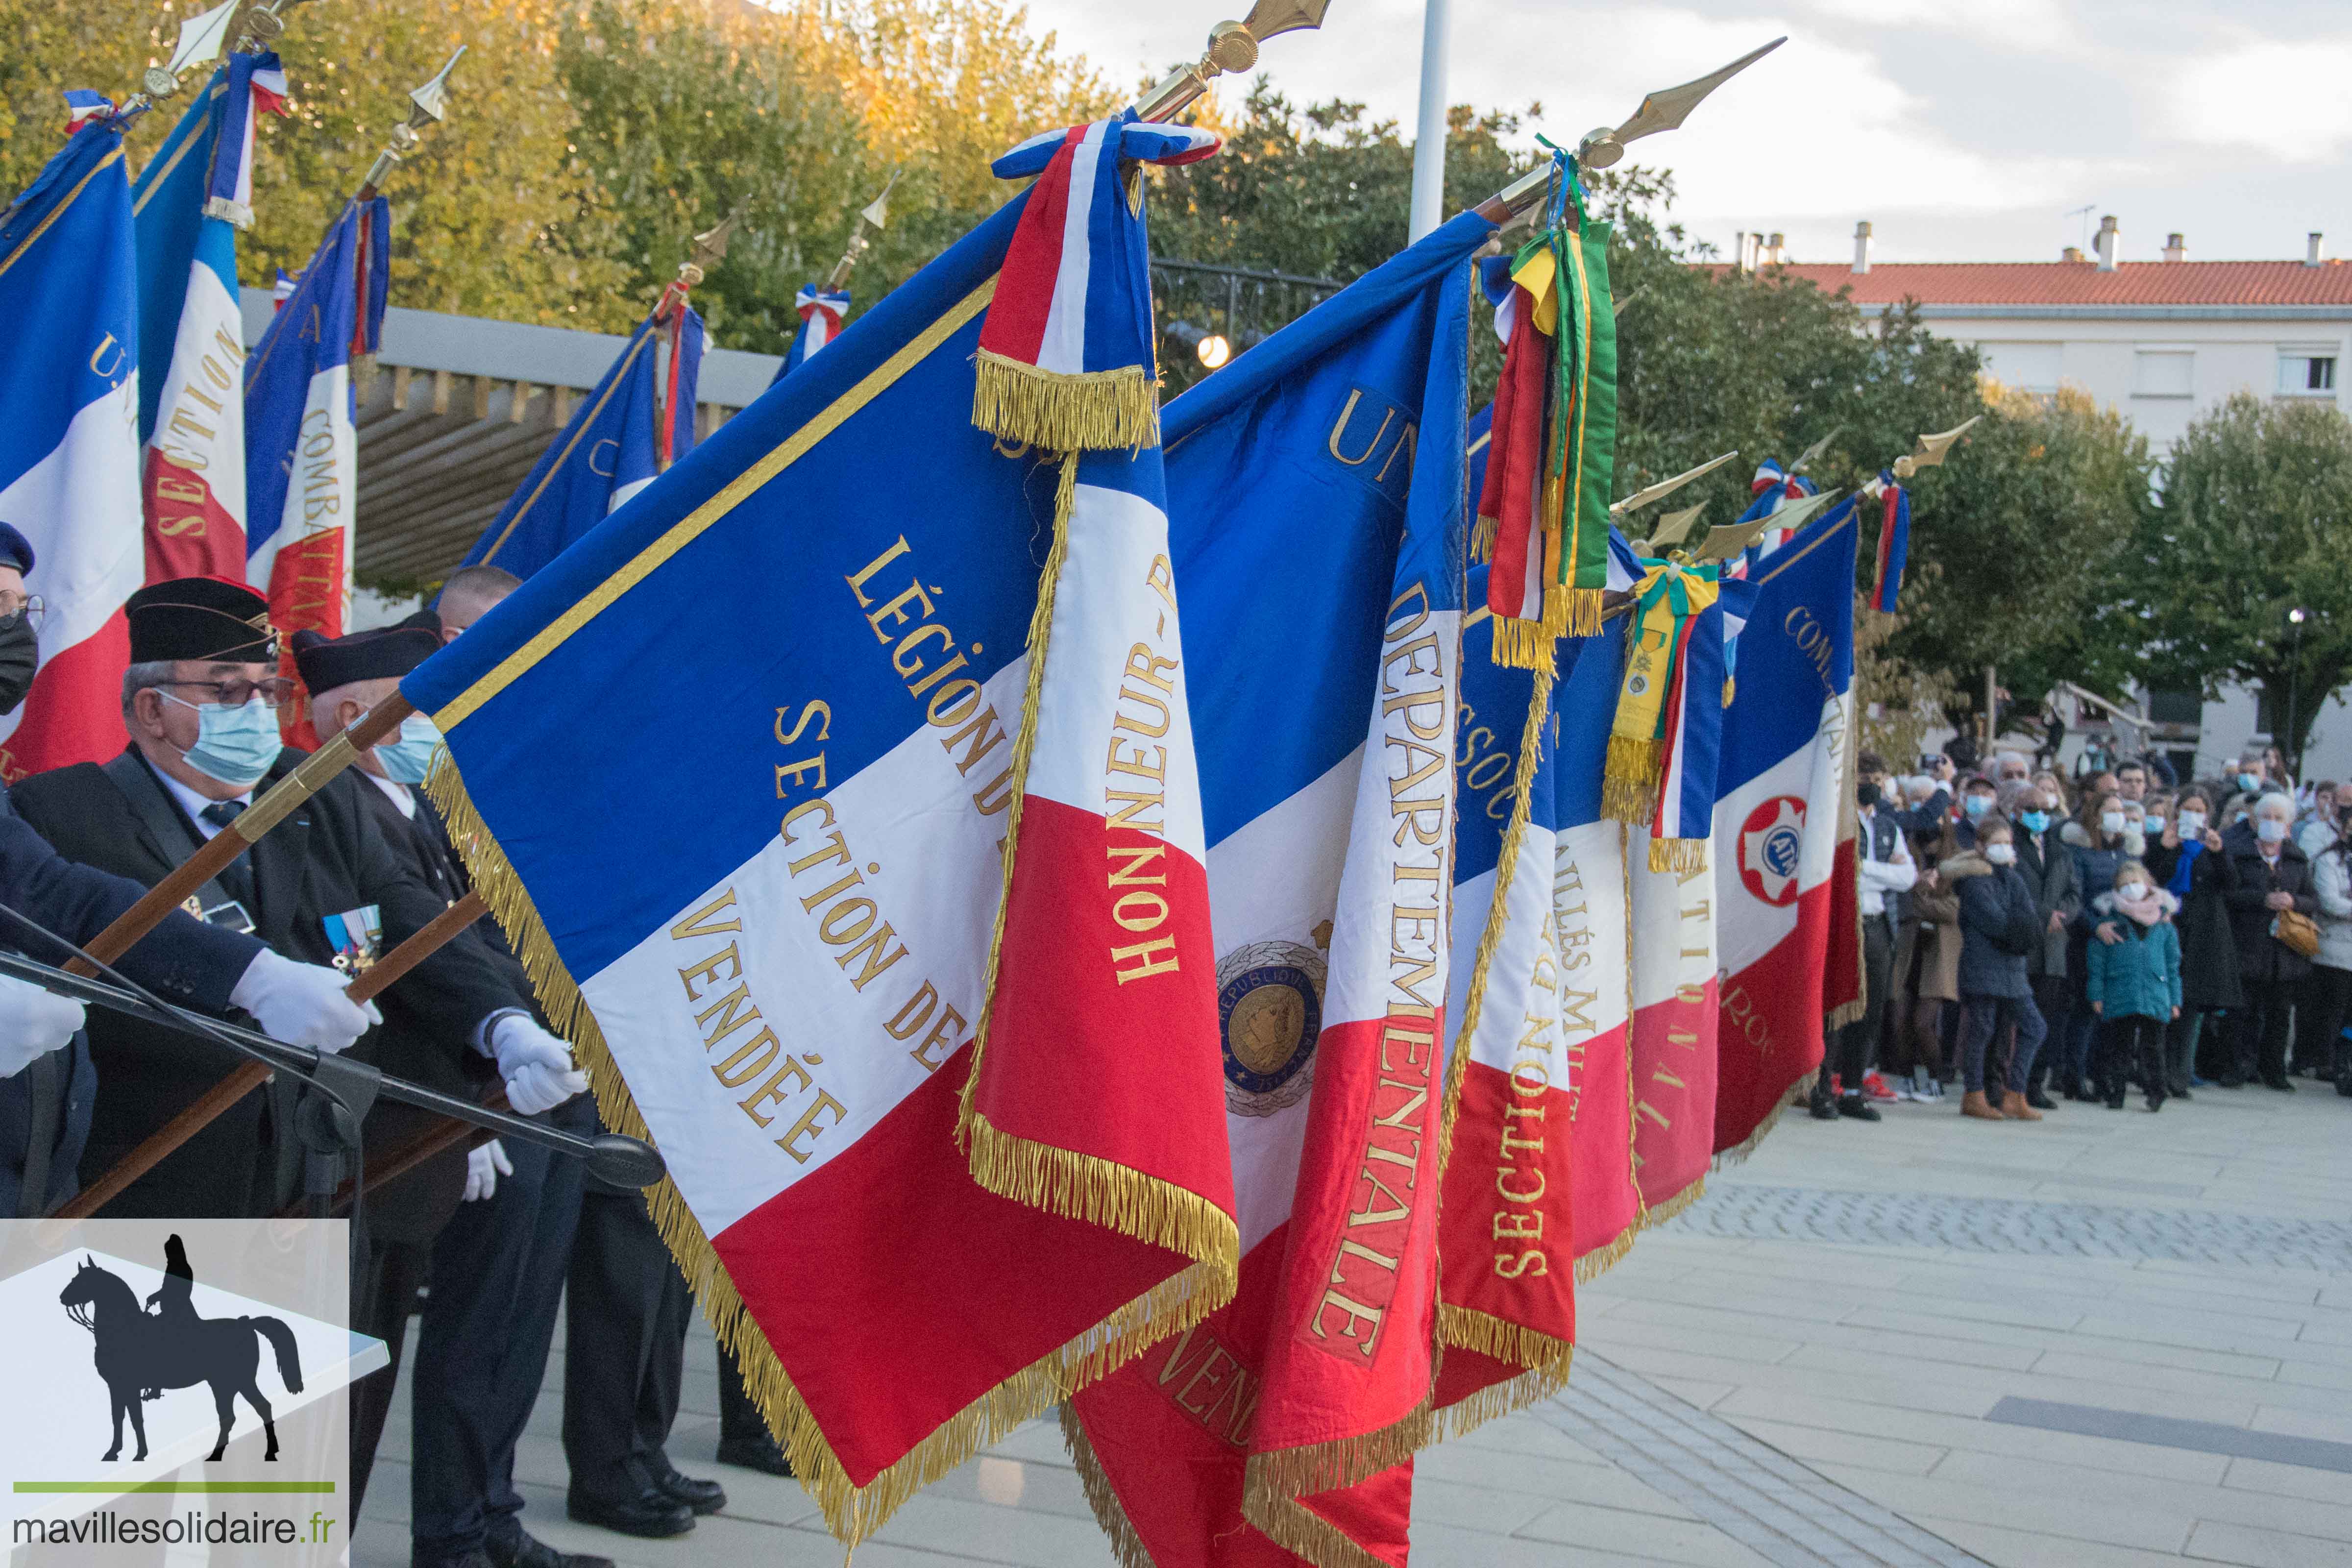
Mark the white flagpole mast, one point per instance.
(1428, 141)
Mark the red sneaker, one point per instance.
(1875, 1088)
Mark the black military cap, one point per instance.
(203, 618)
(386, 653)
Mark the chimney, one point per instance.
(2311, 251)
(2072, 253)
(2175, 248)
(2110, 237)
(1773, 249)
(1862, 245)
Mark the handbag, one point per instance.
(2296, 931)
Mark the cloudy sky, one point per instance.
(1964, 129)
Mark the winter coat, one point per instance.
(2138, 977)
(1936, 922)
(2048, 867)
(2263, 959)
(2331, 878)
(1994, 900)
(2095, 870)
(2209, 948)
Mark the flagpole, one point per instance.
(1428, 141)
(1232, 47)
(870, 223)
(427, 107)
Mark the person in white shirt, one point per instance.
(1883, 866)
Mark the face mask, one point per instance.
(2156, 825)
(2247, 782)
(235, 745)
(407, 757)
(2111, 822)
(2001, 854)
(1867, 796)
(2132, 892)
(2270, 829)
(2035, 821)
(1977, 804)
(2191, 823)
(20, 655)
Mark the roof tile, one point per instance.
(2081, 282)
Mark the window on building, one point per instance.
(2163, 373)
(2028, 367)
(2307, 373)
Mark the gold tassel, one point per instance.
(1629, 781)
(1522, 645)
(1275, 1480)
(1482, 539)
(852, 1512)
(1117, 1197)
(1093, 411)
(1679, 855)
(1573, 612)
(1801, 1091)
(1730, 689)
(1545, 1362)
(1604, 1257)
(1111, 1514)
(1655, 1215)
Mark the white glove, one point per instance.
(32, 1022)
(303, 1003)
(484, 1166)
(536, 1065)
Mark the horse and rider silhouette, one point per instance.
(140, 1353)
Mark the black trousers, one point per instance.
(2128, 1045)
(624, 1348)
(1850, 1053)
(2319, 1029)
(2054, 994)
(481, 1350)
(738, 1417)
(2258, 1032)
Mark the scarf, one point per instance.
(2146, 912)
(2190, 849)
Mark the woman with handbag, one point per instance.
(2272, 912)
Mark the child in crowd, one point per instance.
(2134, 984)
(2000, 926)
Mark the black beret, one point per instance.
(15, 550)
(203, 618)
(386, 653)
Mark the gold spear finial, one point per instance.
(1233, 47)
(264, 24)
(1665, 488)
(427, 107)
(710, 250)
(1672, 529)
(201, 38)
(1732, 537)
(1932, 450)
(1662, 110)
(871, 222)
(1812, 453)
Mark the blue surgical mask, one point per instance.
(2156, 825)
(235, 745)
(2248, 783)
(407, 757)
(2035, 821)
(1977, 804)
(2111, 822)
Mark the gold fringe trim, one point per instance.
(1679, 855)
(1602, 1259)
(1545, 1361)
(1655, 1215)
(1093, 411)
(1633, 1093)
(1117, 1197)
(1126, 1544)
(1801, 1090)
(1629, 781)
(1522, 645)
(1276, 1479)
(1573, 612)
(1846, 1013)
(1024, 741)
(1482, 539)
(852, 1512)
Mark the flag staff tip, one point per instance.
(871, 222)
(1232, 47)
(427, 107)
(264, 24)
(710, 250)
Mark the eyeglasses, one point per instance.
(276, 690)
(14, 605)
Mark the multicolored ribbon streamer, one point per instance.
(1894, 545)
(1668, 603)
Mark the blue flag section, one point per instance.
(610, 450)
(69, 441)
(169, 203)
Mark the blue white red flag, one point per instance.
(822, 311)
(1773, 488)
(70, 441)
(1779, 854)
(191, 200)
(1327, 460)
(611, 449)
(302, 454)
(782, 977)
(1894, 545)
(82, 106)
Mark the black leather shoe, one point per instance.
(698, 1495)
(652, 1514)
(524, 1550)
(1857, 1108)
(2039, 1100)
(2279, 1084)
(1822, 1109)
(762, 1453)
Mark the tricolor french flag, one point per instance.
(1773, 488)
(82, 106)
(1894, 545)
(822, 311)
(69, 441)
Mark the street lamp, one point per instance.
(2295, 617)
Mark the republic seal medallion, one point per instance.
(1269, 1011)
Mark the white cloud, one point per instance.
(2286, 99)
(2023, 26)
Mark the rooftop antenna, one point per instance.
(2084, 214)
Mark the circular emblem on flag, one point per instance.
(1269, 1013)
(1772, 843)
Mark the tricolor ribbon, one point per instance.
(256, 86)
(1067, 360)
(82, 106)
(677, 329)
(1894, 545)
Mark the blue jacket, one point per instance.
(1994, 903)
(184, 961)
(2138, 977)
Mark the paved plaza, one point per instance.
(2105, 1340)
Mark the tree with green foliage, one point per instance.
(2256, 522)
